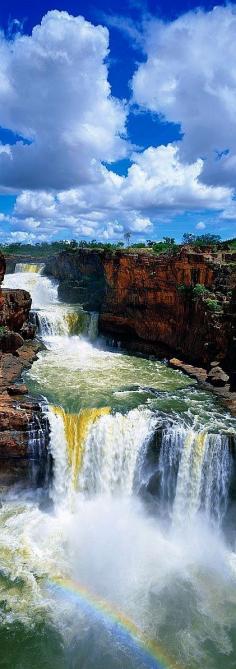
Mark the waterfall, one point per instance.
(68, 443)
(38, 452)
(51, 317)
(43, 290)
(65, 322)
(93, 326)
(112, 450)
(34, 268)
(195, 469)
(62, 321)
(58, 447)
(96, 451)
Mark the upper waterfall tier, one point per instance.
(65, 321)
(35, 268)
(51, 316)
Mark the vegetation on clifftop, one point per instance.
(166, 245)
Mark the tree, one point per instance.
(208, 239)
(189, 238)
(201, 240)
(169, 240)
(127, 237)
(74, 244)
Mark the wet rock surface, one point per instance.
(217, 377)
(14, 308)
(222, 389)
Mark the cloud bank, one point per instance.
(55, 95)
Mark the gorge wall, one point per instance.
(24, 431)
(154, 304)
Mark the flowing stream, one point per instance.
(130, 563)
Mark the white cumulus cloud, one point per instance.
(200, 226)
(189, 78)
(157, 182)
(54, 91)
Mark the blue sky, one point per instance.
(122, 119)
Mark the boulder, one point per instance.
(15, 307)
(10, 341)
(17, 389)
(28, 331)
(217, 377)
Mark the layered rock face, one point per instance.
(81, 277)
(24, 438)
(14, 308)
(2, 267)
(147, 297)
(24, 429)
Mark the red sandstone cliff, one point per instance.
(153, 298)
(14, 308)
(149, 303)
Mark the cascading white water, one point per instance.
(34, 268)
(39, 467)
(195, 470)
(112, 450)
(93, 326)
(52, 322)
(96, 452)
(51, 317)
(61, 472)
(43, 291)
(62, 321)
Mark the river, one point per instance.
(129, 562)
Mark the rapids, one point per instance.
(139, 525)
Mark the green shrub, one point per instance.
(138, 245)
(185, 290)
(201, 240)
(165, 247)
(199, 290)
(213, 305)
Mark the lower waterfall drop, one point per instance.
(195, 472)
(97, 452)
(69, 433)
(39, 469)
(190, 475)
(93, 326)
(112, 450)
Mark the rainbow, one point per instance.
(127, 630)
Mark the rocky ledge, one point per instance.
(24, 429)
(215, 380)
